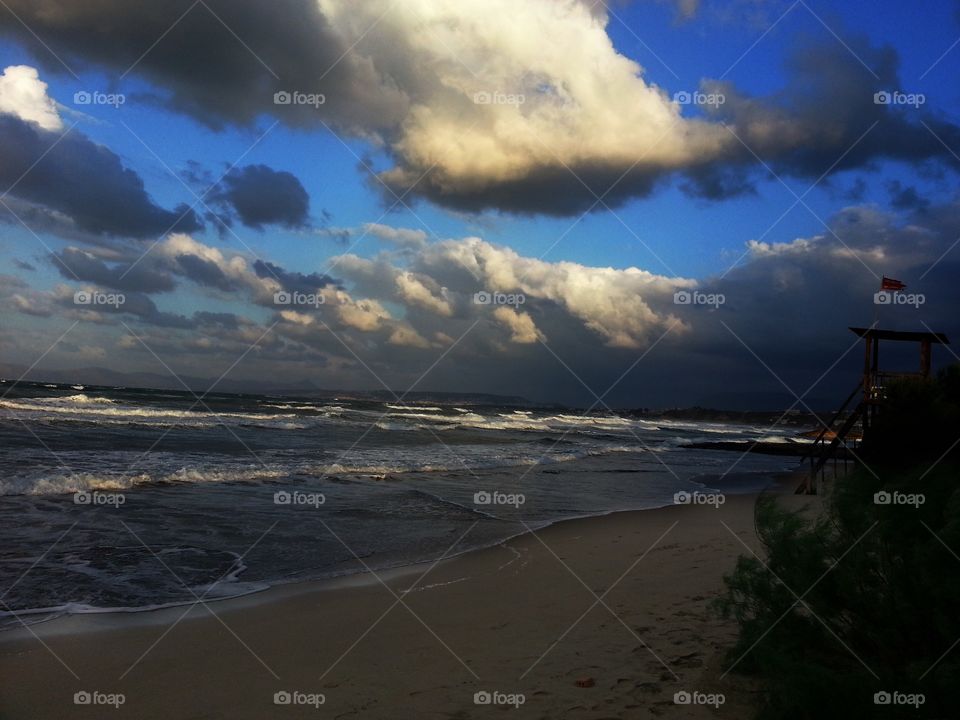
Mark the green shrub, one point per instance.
(864, 597)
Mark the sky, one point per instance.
(645, 203)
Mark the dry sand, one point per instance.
(623, 600)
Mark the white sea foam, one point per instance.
(68, 482)
(82, 407)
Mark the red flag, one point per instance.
(891, 284)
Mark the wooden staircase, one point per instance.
(822, 451)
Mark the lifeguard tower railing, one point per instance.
(840, 438)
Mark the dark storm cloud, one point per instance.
(383, 89)
(260, 195)
(75, 264)
(204, 272)
(83, 181)
(905, 197)
(832, 116)
(220, 61)
(227, 321)
(294, 281)
(135, 304)
(556, 190)
(24, 265)
(718, 183)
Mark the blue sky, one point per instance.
(666, 229)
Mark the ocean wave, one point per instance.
(67, 483)
(46, 482)
(422, 408)
(82, 407)
(78, 399)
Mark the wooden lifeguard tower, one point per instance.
(839, 442)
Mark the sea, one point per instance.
(126, 499)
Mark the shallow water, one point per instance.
(115, 498)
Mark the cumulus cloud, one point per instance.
(520, 324)
(496, 121)
(415, 291)
(292, 280)
(249, 50)
(401, 237)
(788, 303)
(364, 315)
(407, 337)
(76, 264)
(824, 120)
(475, 116)
(260, 195)
(79, 184)
(622, 307)
(24, 95)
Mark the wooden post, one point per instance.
(925, 358)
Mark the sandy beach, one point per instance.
(618, 603)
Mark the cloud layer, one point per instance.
(476, 116)
(526, 326)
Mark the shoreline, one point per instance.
(476, 622)
(93, 619)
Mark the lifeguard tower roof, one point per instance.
(878, 334)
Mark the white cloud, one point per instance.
(618, 305)
(24, 94)
(297, 318)
(521, 326)
(412, 290)
(584, 104)
(235, 267)
(407, 337)
(364, 315)
(402, 237)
